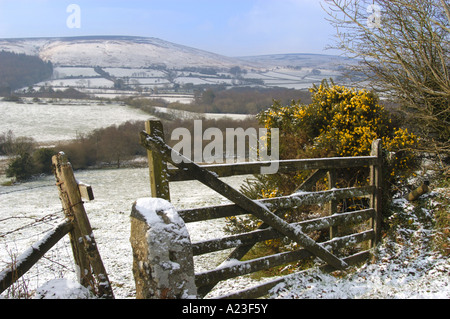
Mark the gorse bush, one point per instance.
(339, 122)
(408, 57)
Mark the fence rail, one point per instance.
(273, 227)
(285, 166)
(31, 256)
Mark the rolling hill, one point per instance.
(142, 52)
(99, 65)
(117, 51)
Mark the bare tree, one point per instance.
(403, 48)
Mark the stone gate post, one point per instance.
(163, 265)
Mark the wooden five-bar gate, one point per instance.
(93, 274)
(160, 154)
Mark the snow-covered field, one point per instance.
(192, 115)
(405, 269)
(115, 192)
(76, 83)
(64, 72)
(122, 72)
(63, 121)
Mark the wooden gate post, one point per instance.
(159, 182)
(87, 258)
(376, 179)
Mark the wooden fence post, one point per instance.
(159, 182)
(87, 258)
(376, 179)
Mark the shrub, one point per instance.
(21, 167)
(42, 159)
(340, 122)
(11, 145)
(25, 165)
(26, 158)
(81, 152)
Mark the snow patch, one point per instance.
(63, 289)
(163, 218)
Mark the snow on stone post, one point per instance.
(163, 264)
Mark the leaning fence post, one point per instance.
(376, 181)
(163, 264)
(158, 168)
(87, 258)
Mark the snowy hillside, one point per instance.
(141, 52)
(301, 60)
(154, 66)
(117, 52)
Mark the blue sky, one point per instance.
(228, 27)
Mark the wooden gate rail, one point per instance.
(263, 289)
(239, 268)
(284, 202)
(213, 245)
(91, 271)
(31, 256)
(273, 227)
(285, 166)
(262, 212)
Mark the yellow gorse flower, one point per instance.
(341, 121)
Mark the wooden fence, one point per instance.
(91, 271)
(273, 227)
(93, 274)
